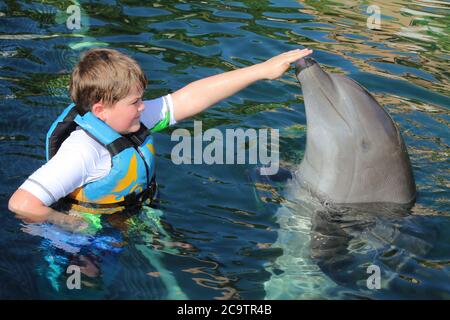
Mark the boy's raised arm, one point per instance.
(199, 95)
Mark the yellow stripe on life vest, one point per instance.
(130, 177)
(151, 148)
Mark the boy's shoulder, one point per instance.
(84, 144)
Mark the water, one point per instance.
(215, 237)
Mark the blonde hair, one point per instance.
(104, 75)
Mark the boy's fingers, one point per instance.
(304, 51)
(290, 51)
(293, 51)
(298, 53)
(294, 57)
(298, 50)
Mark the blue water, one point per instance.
(213, 235)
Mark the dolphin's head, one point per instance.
(352, 143)
(343, 109)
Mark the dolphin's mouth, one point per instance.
(304, 63)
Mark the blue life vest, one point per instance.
(131, 179)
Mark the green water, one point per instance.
(217, 239)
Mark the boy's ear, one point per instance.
(99, 110)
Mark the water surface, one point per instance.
(215, 237)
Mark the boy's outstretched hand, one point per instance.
(203, 93)
(276, 66)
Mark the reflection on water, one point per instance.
(413, 39)
(224, 234)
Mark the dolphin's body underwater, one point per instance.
(348, 197)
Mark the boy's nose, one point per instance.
(141, 106)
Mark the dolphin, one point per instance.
(348, 202)
(354, 151)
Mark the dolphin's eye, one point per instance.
(365, 145)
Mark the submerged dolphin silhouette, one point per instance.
(354, 151)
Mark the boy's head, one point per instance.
(109, 84)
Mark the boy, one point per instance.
(100, 152)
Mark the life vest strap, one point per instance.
(128, 141)
(61, 133)
(139, 136)
(118, 146)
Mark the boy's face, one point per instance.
(125, 115)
